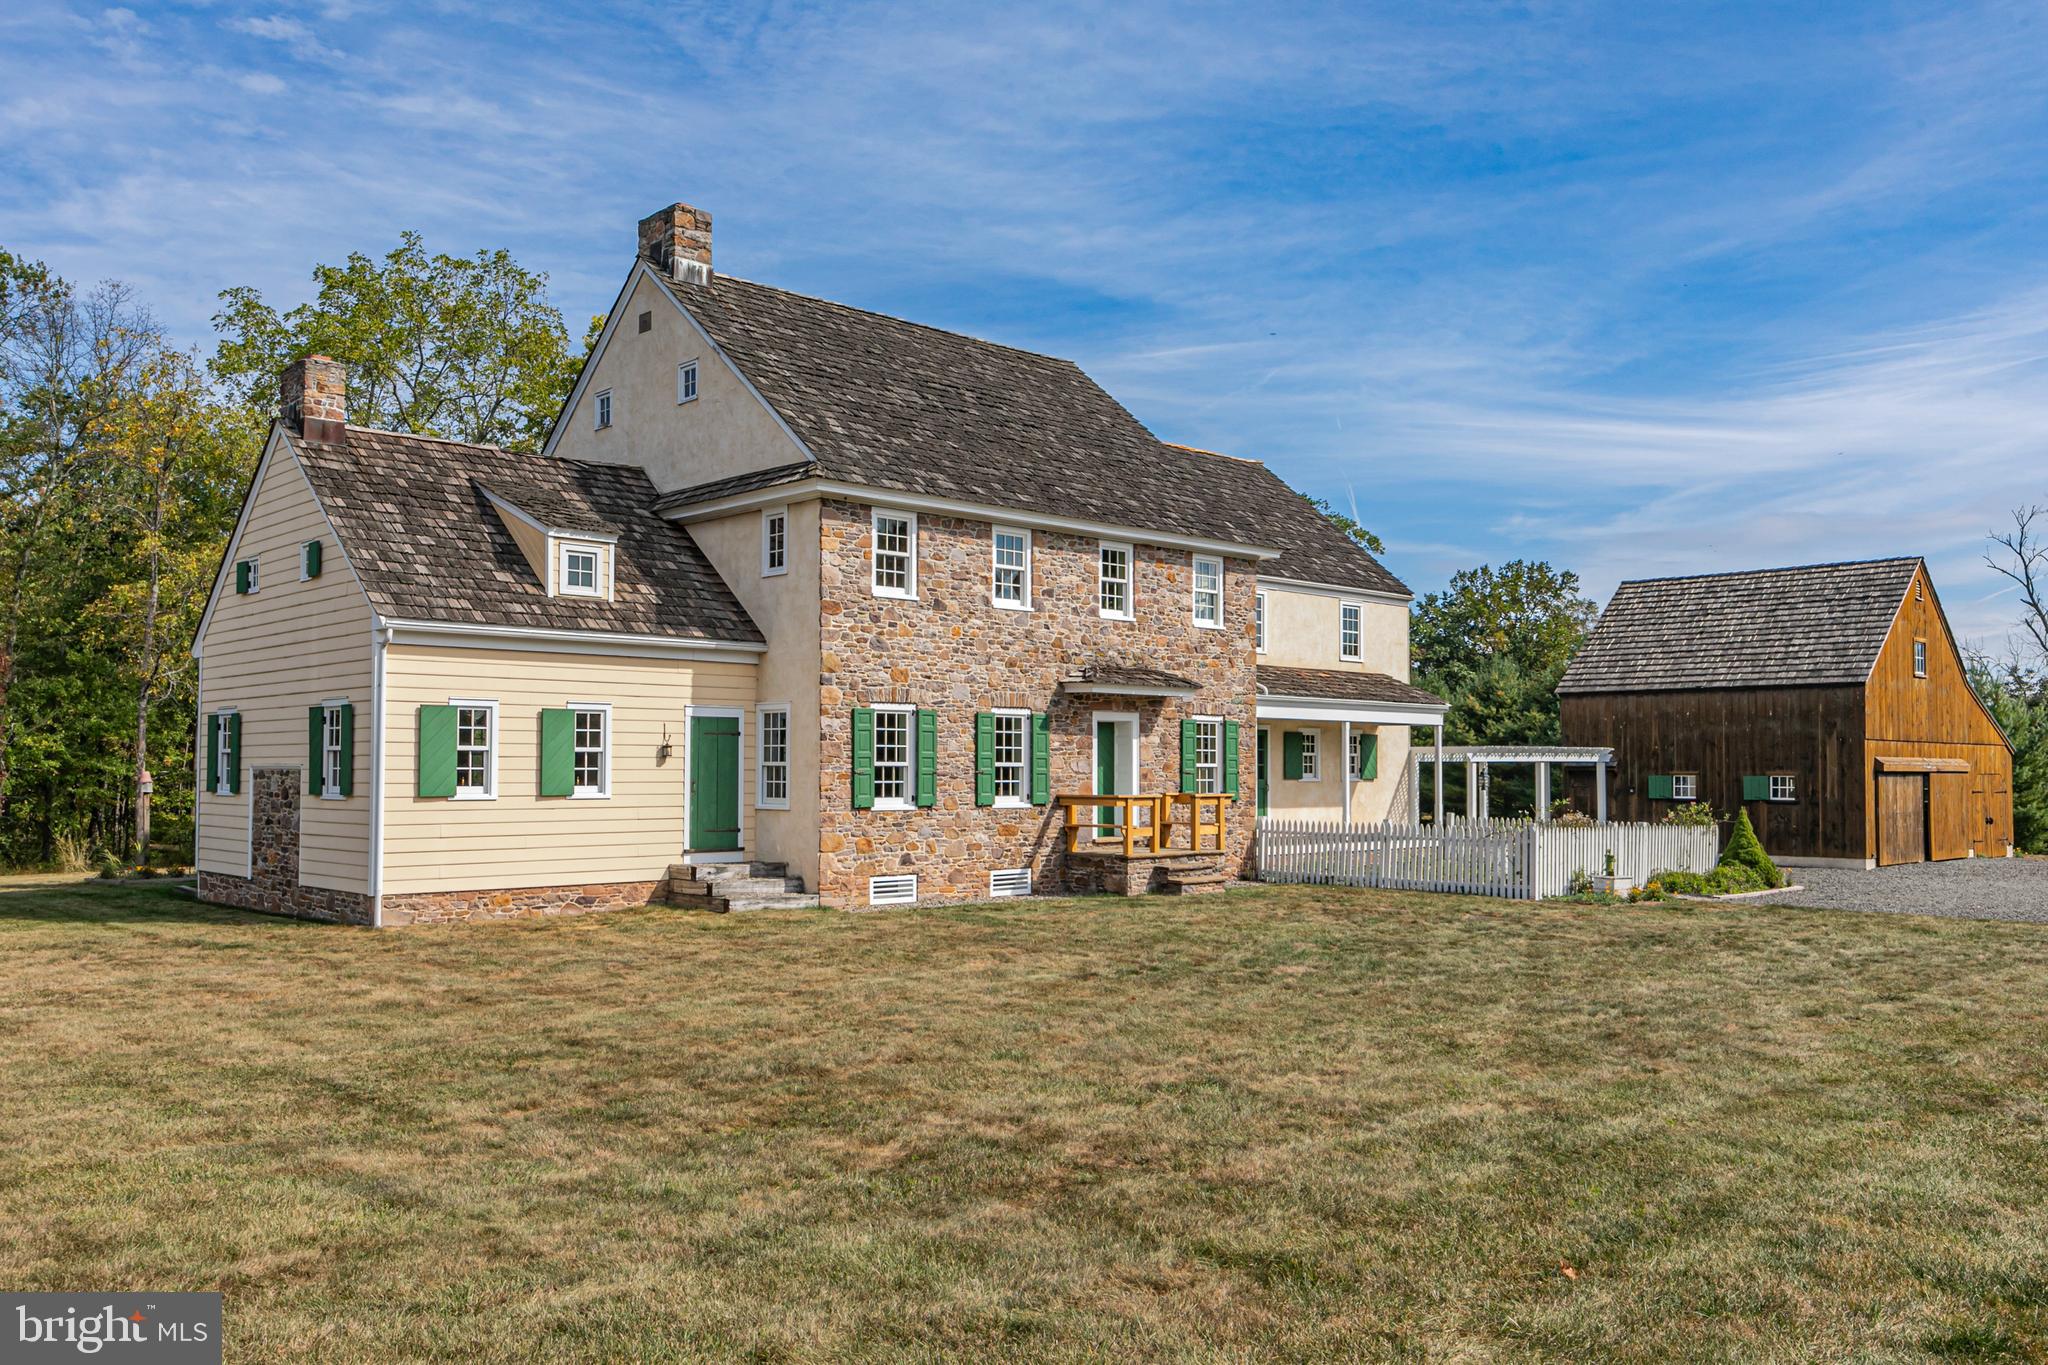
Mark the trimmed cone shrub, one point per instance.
(1746, 850)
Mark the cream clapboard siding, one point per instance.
(521, 839)
(725, 430)
(273, 653)
(785, 606)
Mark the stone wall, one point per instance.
(273, 883)
(954, 652)
(454, 907)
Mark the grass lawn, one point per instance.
(1284, 1122)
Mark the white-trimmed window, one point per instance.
(249, 568)
(1783, 788)
(1685, 786)
(602, 406)
(1350, 631)
(476, 749)
(591, 773)
(772, 783)
(1010, 568)
(1113, 580)
(686, 382)
(1311, 756)
(1259, 622)
(1208, 573)
(582, 570)
(330, 751)
(1208, 755)
(895, 756)
(1012, 758)
(895, 558)
(221, 724)
(1919, 658)
(774, 541)
(1356, 758)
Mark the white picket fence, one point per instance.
(1513, 859)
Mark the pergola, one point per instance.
(1477, 758)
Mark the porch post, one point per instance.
(1600, 789)
(1344, 758)
(1414, 786)
(1485, 791)
(1438, 787)
(1542, 792)
(1471, 789)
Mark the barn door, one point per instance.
(1948, 816)
(1901, 818)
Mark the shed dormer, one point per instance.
(569, 551)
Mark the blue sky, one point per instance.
(1639, 289)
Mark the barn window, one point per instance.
(1685, 787)
(1919, 658)
(1783, 788)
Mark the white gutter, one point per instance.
(1360, 712)
(468, 635)
(380, 639)
(1302, 585)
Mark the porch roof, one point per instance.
(1123, 680)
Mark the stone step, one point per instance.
(719, 872)
(739, 886)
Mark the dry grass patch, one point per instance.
(1284, 1122)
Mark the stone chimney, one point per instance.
(312, 397)
(678, 240)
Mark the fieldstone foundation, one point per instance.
(525, 902)
(273, 884)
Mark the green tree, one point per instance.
(461, 346)
(1349, 526)
(2018, 701)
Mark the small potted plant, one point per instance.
(1611, 884)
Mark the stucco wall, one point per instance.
(521, 839)
(273, 653)
(1302, 631)
(954, 652)
(725, 431)
(1371, 801)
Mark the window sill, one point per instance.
(1011, 803)
(1117, 615)
(1208, 625)
(771, 805)
(474, 796)
(775, 573)
(893, 803)
(1012, 606)
(895, 594)
(332, 796)
(589, 796)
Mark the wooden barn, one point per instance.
(1829, 701)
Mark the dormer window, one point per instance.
(604, 409)
(580, 571)
(686, 382)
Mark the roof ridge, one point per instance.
(1219, 454)
(1782, 568)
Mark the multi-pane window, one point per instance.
(1208, 592)
(1350, 633)
(590, 742)
(893, 756)
(775, 756)
(579, 570)
(895, 554)
(1259, 622)
(775, 541)
(1357, 755)
(686, 382)
(1782, 787)
(1311, 757)
(330, 751)
(473, 725)
(604, 409)
(1115, 579)
(223, 755)
(1010, 756)
(1919, 658)
(1685, 787)
(1209, 756)
(1011, 560)
(251, 575)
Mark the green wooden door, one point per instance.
(1105, 772)
(714, 784)
(1262, 772)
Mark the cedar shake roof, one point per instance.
(1821, 624)
(1332, 684)
(1121, 675)
(1312, 549)
(427, 544)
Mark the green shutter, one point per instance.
(1290, 755)
(1041, 760)
(1188, 778)
(312, 553)
(316, 730)
(1368, 756)
(348, 749)
(863, 758)
(985, 758)
(1230, 738)
(235, 753)
(436, 751)
(241, 575)
(927, 758)
(557, 752)
(1756, 788)
(213, 723)
(1660, 786)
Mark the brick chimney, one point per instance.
(678, 240)
(312, 397)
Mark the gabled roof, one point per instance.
(1312, 549)
(895, 405)
(1816, 625)
(413, 517)
(1333, 684)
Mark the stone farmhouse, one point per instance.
(799, 601)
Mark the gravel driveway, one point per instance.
(1967, 888)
